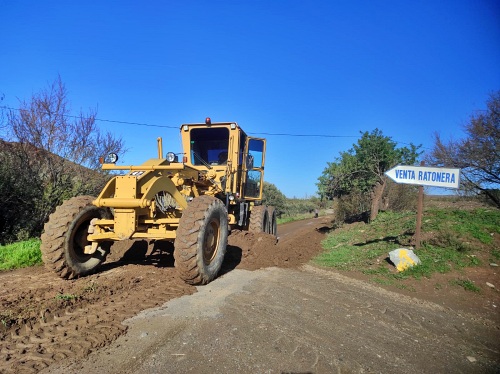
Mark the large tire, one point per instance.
(272, 224)
(65, 237)
(259, 219)
(201, 240)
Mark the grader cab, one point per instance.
(192, 199)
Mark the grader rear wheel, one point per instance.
(201, 240)
(272, 224)
(65, 237)
(259, 219)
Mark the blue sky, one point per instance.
(335, 68)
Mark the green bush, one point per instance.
(400, 197)
(295, 207)
(352, 207)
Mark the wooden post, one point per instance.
(420, 208)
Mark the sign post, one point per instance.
(424, 176)
(420, 210)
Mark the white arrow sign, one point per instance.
(425, 176)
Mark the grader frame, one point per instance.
(193, 199)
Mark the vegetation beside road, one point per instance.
(452, 240)
(47, 156)
(21, 254)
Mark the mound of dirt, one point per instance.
(262, 250)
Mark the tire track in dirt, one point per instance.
(85, 325)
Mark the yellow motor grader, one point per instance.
(192, 199)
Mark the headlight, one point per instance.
(171, 157)
(112, 158)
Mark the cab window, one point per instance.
(209, 146)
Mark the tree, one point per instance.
(478, 154)
(44, 122)
(274, 197)
(54, 154)
(19, 197)
(362, 168)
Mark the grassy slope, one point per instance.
(452, 239)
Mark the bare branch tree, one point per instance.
(44, 123)
(55, 150)
(3, 117)
(478, 154)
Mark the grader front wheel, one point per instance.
(65, 237)
(201, 240)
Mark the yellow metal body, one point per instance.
(147, 202)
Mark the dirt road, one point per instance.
(46, 320)
(297, 321)
(282, 318)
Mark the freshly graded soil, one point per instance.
(285, 317)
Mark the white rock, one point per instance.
(403, 258)
(490, 285)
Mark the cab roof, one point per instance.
(211, 124)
